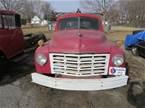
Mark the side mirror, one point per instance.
(41, 43)
(119, 43)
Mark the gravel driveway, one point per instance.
(17, 91)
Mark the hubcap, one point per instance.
(134, 51)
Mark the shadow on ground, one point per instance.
(18, 68)
(136, 94)
(17, 89)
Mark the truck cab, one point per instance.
(79, 57)
(12, 40)
(11, 36)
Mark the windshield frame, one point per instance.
(79, 23)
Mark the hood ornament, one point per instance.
(79, 34)
(78, 11)
(79, 26)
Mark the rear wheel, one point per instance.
(134, 51)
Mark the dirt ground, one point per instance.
(17, 90)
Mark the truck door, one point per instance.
(17, 37)
(5, 37)
(13, 34)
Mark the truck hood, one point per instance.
(83, 41)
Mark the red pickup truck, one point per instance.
(12, 40)
(79, 57)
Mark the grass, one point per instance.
(123, 28)
(117, 32)
(117, 35)
(27, 30)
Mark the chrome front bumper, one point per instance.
(80, 84)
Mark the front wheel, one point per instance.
(134, 51)
(3, 63)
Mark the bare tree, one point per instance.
(105, 7)
(27, 11)
(47, 10)
(15, 5)
(97, 5)
(42, 8)
(132, 11)
(37, 5)
(28, 8)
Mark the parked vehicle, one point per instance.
(12, 40)
(79, 57)
(136, 43)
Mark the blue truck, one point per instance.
(136, 43)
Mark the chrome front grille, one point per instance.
(79, 64)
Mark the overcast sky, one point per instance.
(65, 5)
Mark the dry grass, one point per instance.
(117, 33)
(44, 30)
(123, 28)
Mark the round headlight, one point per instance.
(41, 59)
(118, 60)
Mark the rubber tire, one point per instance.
(137, 31)
(134, 51)
(3, 64)
(137, 89)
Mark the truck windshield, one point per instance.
(79, 23)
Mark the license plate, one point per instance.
(117, 71)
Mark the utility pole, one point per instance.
(103, 9)
(103, 3)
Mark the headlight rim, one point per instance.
(37, 59)
(120, 57)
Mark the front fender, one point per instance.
(46, 68)
(4, 52)
(116, 51)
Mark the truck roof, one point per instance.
(79, 15)
(7, 12)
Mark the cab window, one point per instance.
(5, 21)
(9, 21)
(18, 20)
(12, 24)
(1, 25)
